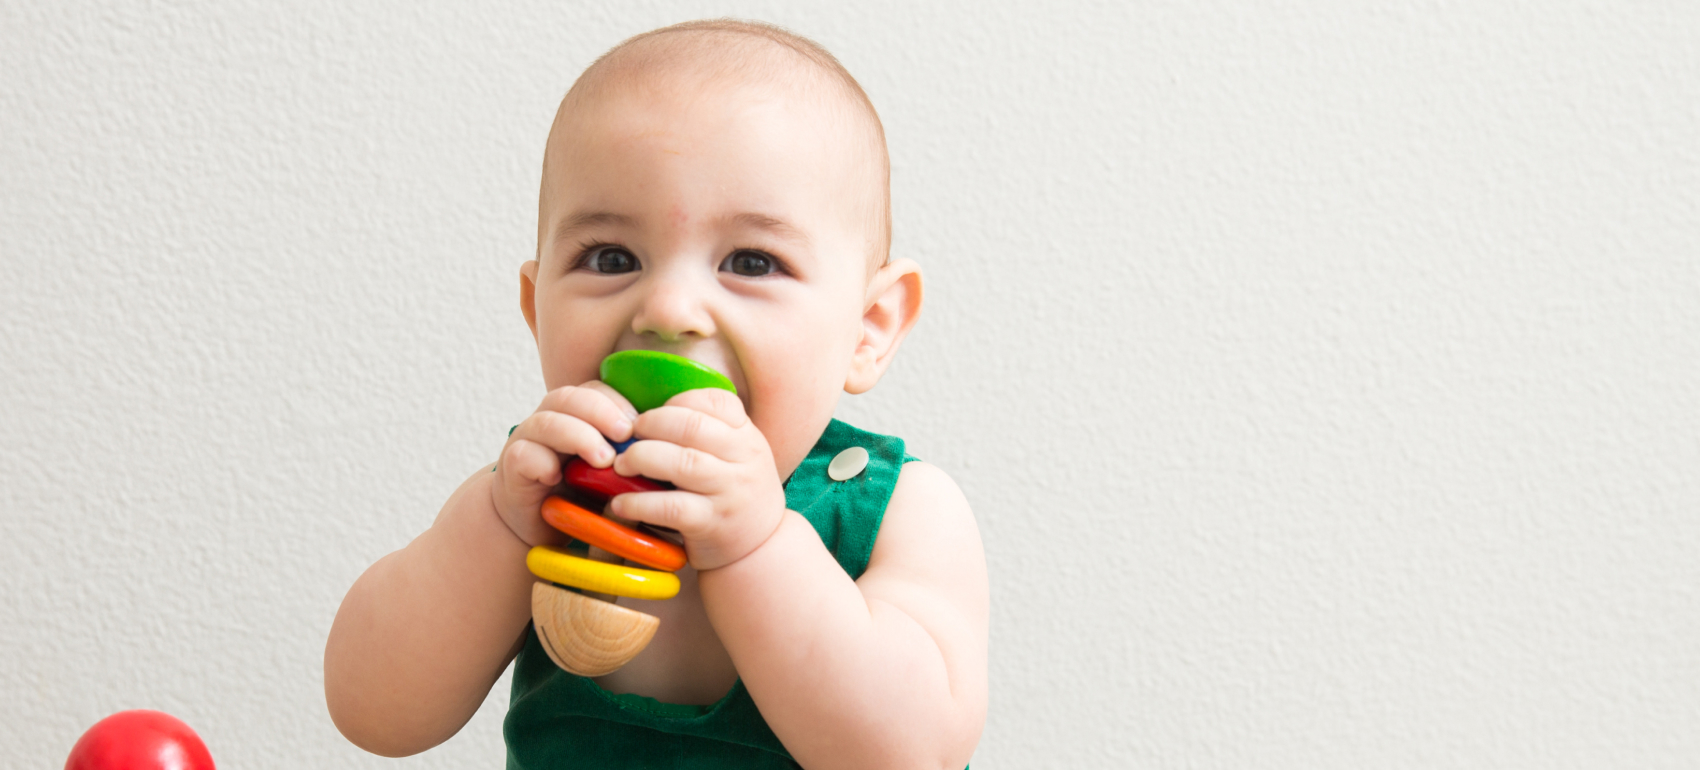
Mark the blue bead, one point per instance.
(621, 446)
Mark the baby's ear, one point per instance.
(893, 306)
(528, 295)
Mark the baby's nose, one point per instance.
(673, 308)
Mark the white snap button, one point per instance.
(848, 463)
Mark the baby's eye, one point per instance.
(749, 263)
(610, 260)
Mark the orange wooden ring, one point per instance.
(612, 536)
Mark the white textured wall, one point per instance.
(1326, 379)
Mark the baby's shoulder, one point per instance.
(929, 534)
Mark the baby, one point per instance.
(719, 190)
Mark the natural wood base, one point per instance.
(585, 636)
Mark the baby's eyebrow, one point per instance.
(589, 219)
(756, 221)
(773, 225)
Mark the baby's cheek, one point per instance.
(571, 362)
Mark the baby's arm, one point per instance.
(887, 671)
(425, 631)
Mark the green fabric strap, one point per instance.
(558, 720)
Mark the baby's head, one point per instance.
(721, 190)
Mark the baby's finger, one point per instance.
(692, 428)
(593, 403)
(529, 461)
(677, 509)
(566, 435)
(720, 404)
(613, 395)
(687, 468)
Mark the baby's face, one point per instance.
(712, 223)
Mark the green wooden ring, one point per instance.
(647, 378)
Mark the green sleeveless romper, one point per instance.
(559, 720)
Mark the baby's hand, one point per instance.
(729, 498)
(570, 421)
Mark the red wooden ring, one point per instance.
(612, 536)
(604, 481)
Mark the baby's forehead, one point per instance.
(673, 106)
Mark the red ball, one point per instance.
(139, 740)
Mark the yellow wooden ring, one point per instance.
(558, 566)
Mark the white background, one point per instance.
(1325, 379)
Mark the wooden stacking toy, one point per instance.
(584, 635)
